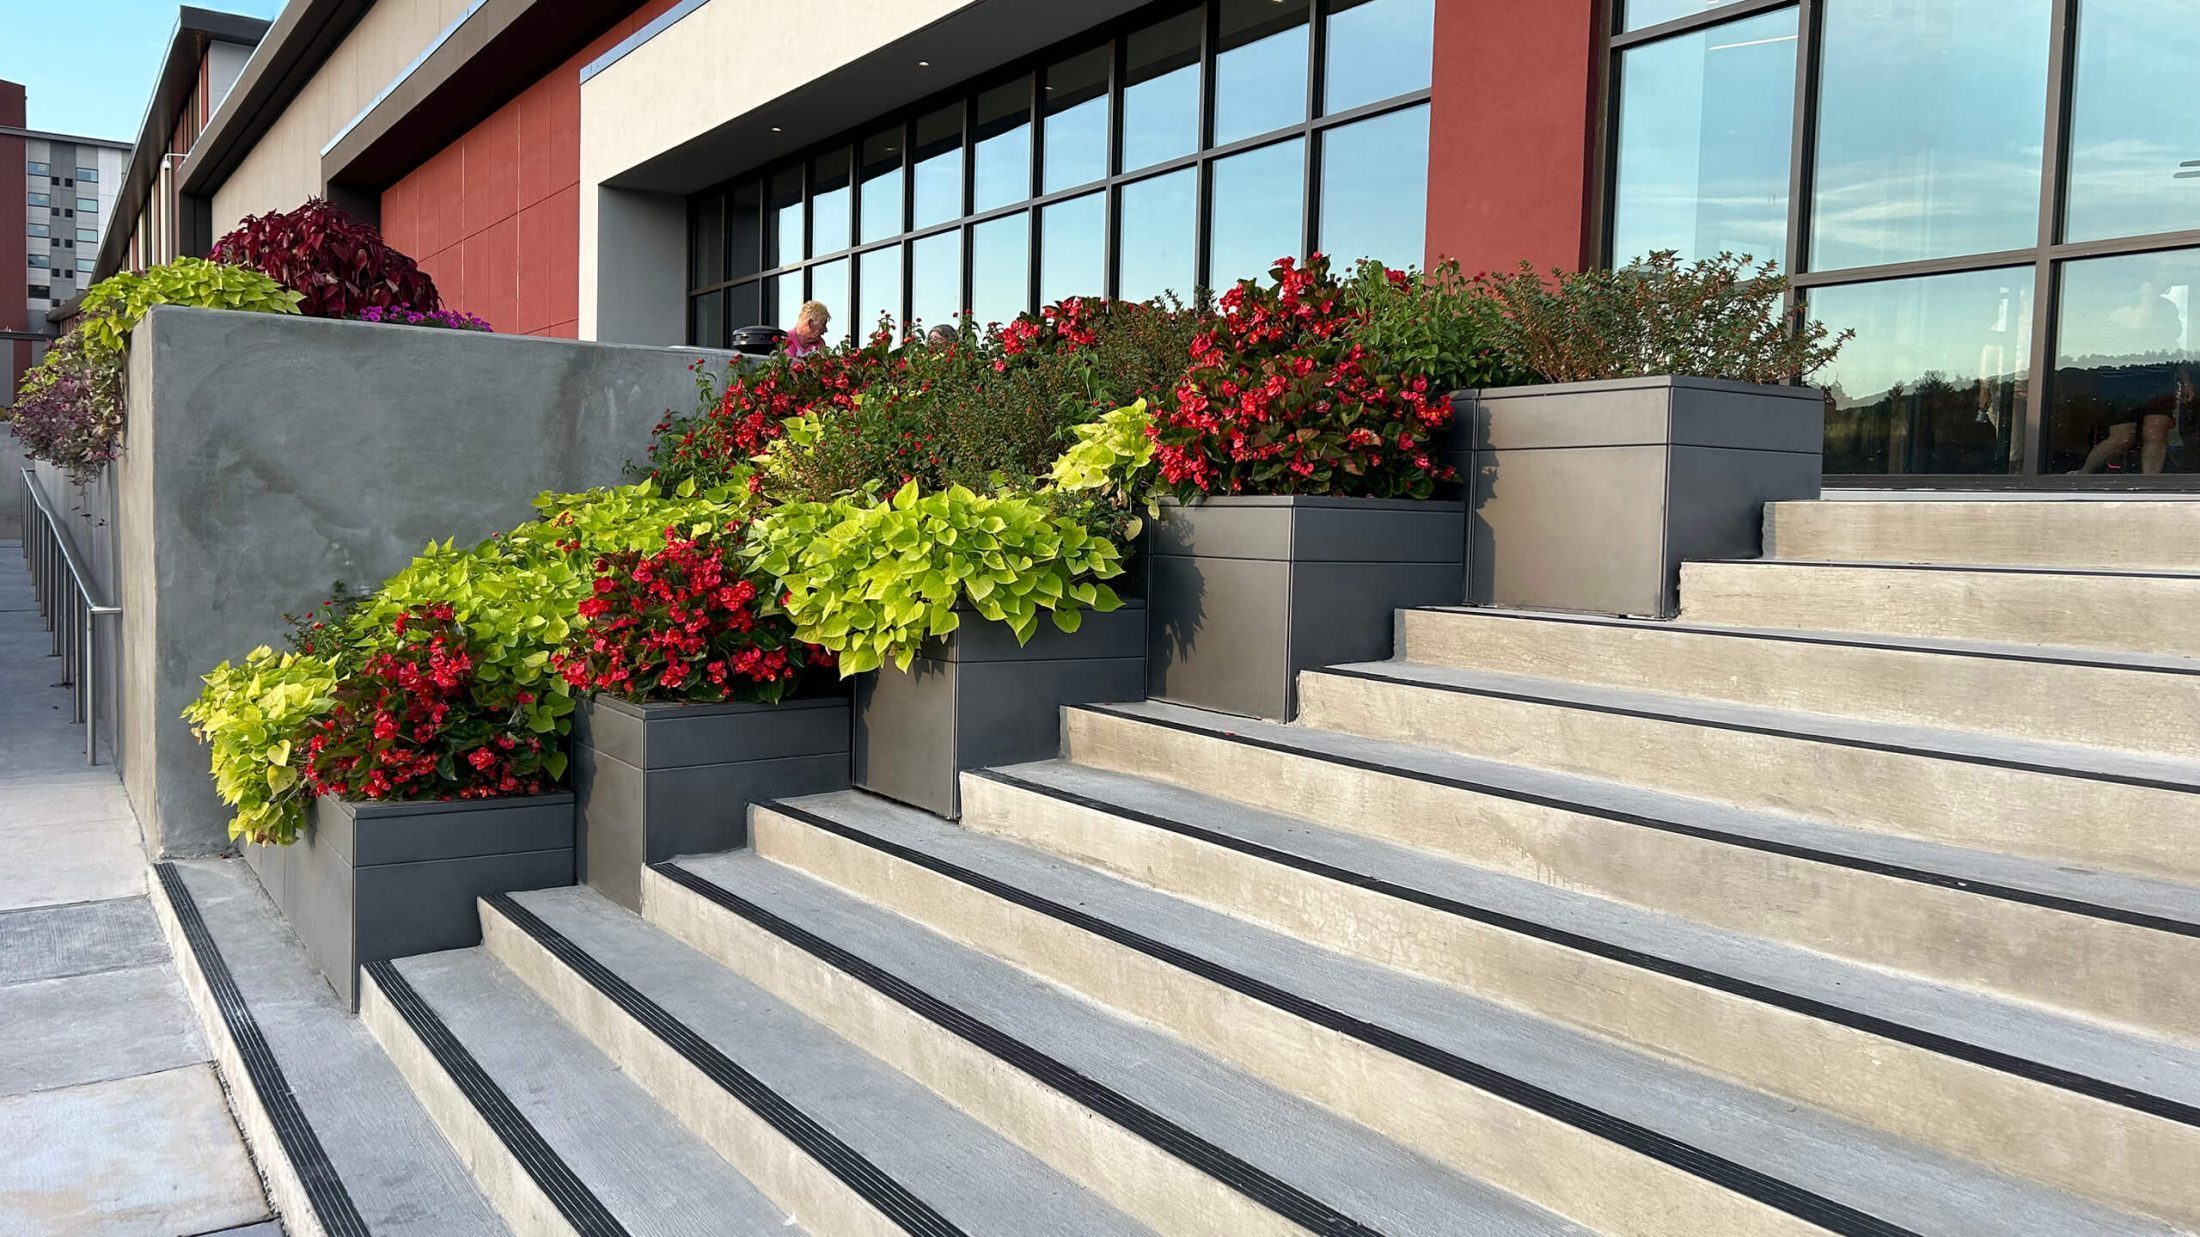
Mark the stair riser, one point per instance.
(2139, 976)
(2054, 702)
(2135, 535)
(1584, 1177)
(784, 1172)
(523, 1205)
(2027, 1128)
(1154, 1187)
(2142, 614)
(2120, 827)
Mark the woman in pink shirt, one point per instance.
(808, 332)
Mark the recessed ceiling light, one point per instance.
(775, 128)
(924, 64)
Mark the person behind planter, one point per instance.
(807, 334)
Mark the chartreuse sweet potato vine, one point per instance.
(255, 713)
(872, 580)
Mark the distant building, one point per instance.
(57, 220)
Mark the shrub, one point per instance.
(870, 581)
(114, 306)
(1438, 324)
(449, 319)
(1717, 318)
(68, 411)
(683, 624)
(731, 425)
(339, 264)
(419, 718)
(256, 716)
(1281, 397)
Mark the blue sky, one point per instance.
(88, 65)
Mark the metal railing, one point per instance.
(66, 603)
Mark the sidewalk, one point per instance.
(110, 1107)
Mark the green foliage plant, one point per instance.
(255, 714)
(871, 580)
(115, 305)
(1109, 463)
(1436, 323)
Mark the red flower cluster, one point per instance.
(414, 721)
(746, 416)
(683, 624)
(1280, 399)
(1062, 327)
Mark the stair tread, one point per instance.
(971, 1175)
(620, 1144)
(1336, 1161)
(381, 1145)
(2078, 571)
(2163, 903)
(1950, 646)
(2023, 1031)
(2071, 759)
(1837, 1160)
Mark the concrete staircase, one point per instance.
(1862, 899)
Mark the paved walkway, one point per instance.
(111, 1113)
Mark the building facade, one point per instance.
(66, 199)
(2001, 200)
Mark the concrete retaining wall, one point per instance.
(270, 456)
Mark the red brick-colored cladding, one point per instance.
(14, 216)
(1511, 130)
(495, 217)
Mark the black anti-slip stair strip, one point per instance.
(1976, 1054)
(1248, 1179)
(1776, 732)
(1773, 1192)
(888, 1196)
(1940, 880)
(1844, 640)
(324, 1189)
(549, 1171)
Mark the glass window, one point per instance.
(88, 205)
(40, 199)
(783, 297)
(2134, 134)
(783, 219)
(1639, 13)
(1375, 49)
(1260, 67)
(1703, 144)
(881, 187)
(1001, 146)
(1157, 221)
(707, 321)
(1075, 133)
(41, 292)
(1929, 122)
(1161, 91)
(706, 239)
(878, 290)
(936, 280)
(36, 169)
(88, 234)
(938, 182)
(1073, 248)
(1000, 268)
(745, 247)
(829, 287)
(1374, 201)
(1259, 212)
(1934, 380)
(89, 176)
(85, 264)
(745, 305)
(39, 260)
(38, 229)
(2126, 343)
(831, 203)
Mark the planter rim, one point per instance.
(682, 708)
(1324, 501)
(368, 808)
(1531, 390)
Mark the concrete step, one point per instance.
(1174, 1136)
(2085, 807)
(837, 1138)
(2002, 1083)
(2140, 612)
(2112, 947)
(343, 1145)
(556, 1136)
(2121, 701)
(1614, 1138)
(2129, 534)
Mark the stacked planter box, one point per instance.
(366, 882)
(1246, 592)
(975, 698)
(1588, 495)
(659, 780)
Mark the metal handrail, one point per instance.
(71, 617)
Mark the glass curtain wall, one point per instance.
(2000, 197)
(1187, 147)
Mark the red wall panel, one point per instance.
(495, 217)
(1511, 129)
(14, 215)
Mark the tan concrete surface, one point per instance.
(2133, 533)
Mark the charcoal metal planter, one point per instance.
(975, 699)
(1243, 593)
(1588, 495)
(653, 781)
(370, 881)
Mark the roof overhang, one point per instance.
(300, 40)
